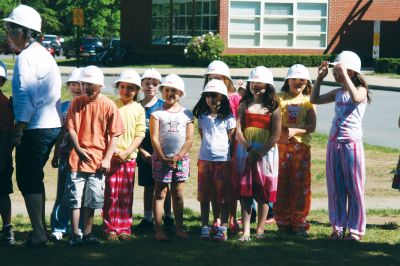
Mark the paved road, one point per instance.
(380, 120)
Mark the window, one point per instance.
(188, 18)
(278, 23)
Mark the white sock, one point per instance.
(148, 215)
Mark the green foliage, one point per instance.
(241, 60)
(388, 65)
(205, 48)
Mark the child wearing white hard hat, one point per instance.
(6, 160)
(171, 132)
(94, 124)
(216, 126)
(60, 214)
(117, 214)
(293, 198)
(151, 78)
(345, 180)
(258, 131)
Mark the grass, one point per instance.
(379, 247)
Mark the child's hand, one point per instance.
(253, 155)
(240, 83)
(83, 156)
(16, 136)
(176, 159)
(323, 70)
(105, 165)
(146, 157)
(340, 71)
(121, 156)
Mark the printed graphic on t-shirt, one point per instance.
(173, 124)
(293, 112)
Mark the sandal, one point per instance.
(244, 238)
(261, 236)
(336, 235)
(125, 237)
(352, 237)
(112, 236)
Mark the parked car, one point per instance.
(113, 53)
(89, 46)
(49, 48)
(54, 41)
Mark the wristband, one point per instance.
(249, 148)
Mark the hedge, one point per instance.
(387, 65)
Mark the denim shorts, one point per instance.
(31, 157)
(84, 190)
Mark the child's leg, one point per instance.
(148, 202)
(177, 201)
(88, 215)
(337, 203)
(167, 203)
(205, 213)
(75, 215)
(246, 214)
(216, 209)
(224, 214)
(262, 216)
(355, 180)
(159, 197)
(282, 205)
(5, 209)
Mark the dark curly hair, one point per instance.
(269, 98)
(202, 108)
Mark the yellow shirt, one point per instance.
(294, 114)
(133, 117)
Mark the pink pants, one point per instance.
(118, 198)
(345, 178)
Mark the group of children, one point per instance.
(253, 146)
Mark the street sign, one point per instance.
(376, 40)
(77, 17)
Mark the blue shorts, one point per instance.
(31, 157)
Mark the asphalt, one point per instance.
(375, 81)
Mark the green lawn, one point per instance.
(380, 246)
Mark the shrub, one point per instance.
(205, 48)
(388, 65)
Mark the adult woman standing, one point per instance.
(36, 90)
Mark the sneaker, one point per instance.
(302, 232)
(56, 236)
(90, 240)
(75, 240)
(144, 225)
(168, 221)
(205, 233)
(215, 228)
(222, 234)
(8, 235)
(235, 228)
(336, 235)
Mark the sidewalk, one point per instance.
(375, 82)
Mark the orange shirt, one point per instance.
(6, 113)
(94, 122)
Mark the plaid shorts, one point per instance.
(165, 174)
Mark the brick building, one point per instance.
(263, 26)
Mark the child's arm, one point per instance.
(106, 162)
(75, 143)
(124, 154)
(358, 94)
(188, 143)
(239, 127)
(17, 132)
(276, 124)
(315, 96)
(309, 127)
(54, 161)
(155, 139)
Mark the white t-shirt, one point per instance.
(36, 88)
(215, 141)
(172, 129)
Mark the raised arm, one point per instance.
(357, 94)
(315, 96)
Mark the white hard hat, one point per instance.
(349, 60)
(173, 81)
(151, 73)
(261, 74)
(129, 76)
(74, 76)
(3, 70)
(218, 67)
(298, 71)
(25, 16)
(92, 74)
(216, 85)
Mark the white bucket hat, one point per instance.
(173, 81)
(3, 70)
(129, 76)
(151, 73)
(216, 85)
(261, 74)
(92, 74)
(349, 60)
(74, 76)
(298, 71)
(25, 16)
(219, 68)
